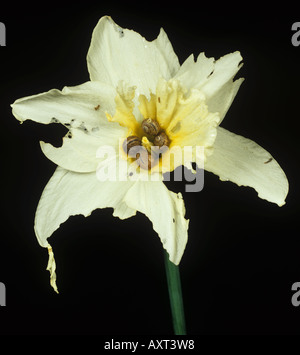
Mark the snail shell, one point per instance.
(132, 145)
(161, 140)
(146, 160)
(150, 127)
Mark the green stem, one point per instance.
(175, 295)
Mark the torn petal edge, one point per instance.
(51, 267)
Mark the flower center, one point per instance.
(163, 124)
(147, 151)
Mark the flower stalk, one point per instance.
(175, 296)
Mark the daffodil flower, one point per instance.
(135, 83)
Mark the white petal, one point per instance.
(68, 193)
(244, 162)
(222, 100)
(214, 79)
(225, 69)
(120, 54)
(194, 74)
(79, 150)
(208, 75)
(166, 211)
(81, 106)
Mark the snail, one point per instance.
(146, 160)
(161, 140)
(132, 145)
(136, 148)
(150, 127)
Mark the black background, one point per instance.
(243, 253)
